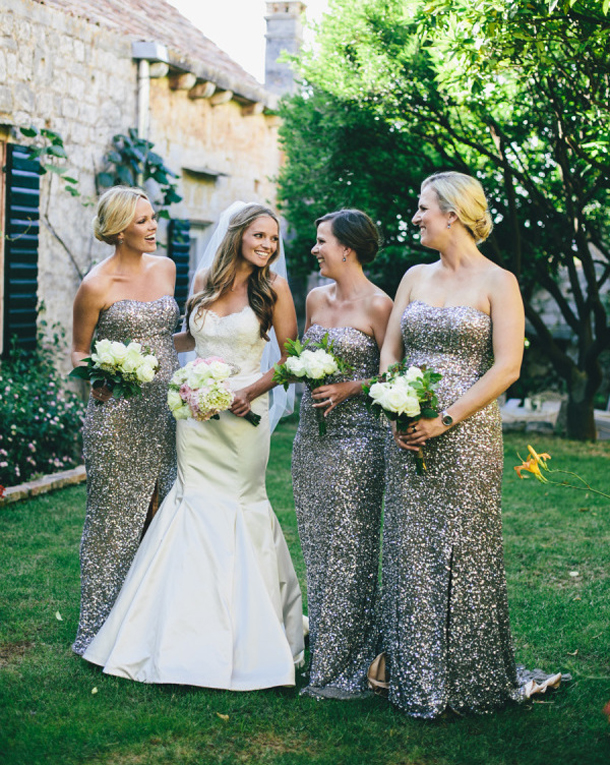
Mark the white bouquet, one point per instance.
(122, 368)
(312, 363)
(404, 394)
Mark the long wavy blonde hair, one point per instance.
(219, 279)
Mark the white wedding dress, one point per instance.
(212, 598)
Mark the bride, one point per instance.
(212, 598)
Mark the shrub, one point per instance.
(40, 417)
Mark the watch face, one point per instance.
(447, 419)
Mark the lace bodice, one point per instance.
(235, 338)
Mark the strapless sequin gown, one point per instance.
(445, 610)
(212, 598)
(338, 488)
(129, 448)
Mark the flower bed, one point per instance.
(40, 417)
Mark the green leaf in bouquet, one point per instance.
(429, 413)
(80, 373)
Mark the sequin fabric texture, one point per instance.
(130, 449)
(338, 488)
(444, 605)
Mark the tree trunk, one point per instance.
(580, 410)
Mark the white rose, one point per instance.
(182, 413)
(314, 368)
(378, 391)
(103, 353)
(413, 373)
(295, 365)
(151, 360)
(219, 370)
(180, 376)
(174, 400)
(412, 406)
(134, 348)
(398, 400)
(145, 373)
(327, 361)
(119, 352)
(198, 375)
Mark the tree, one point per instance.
(515, 93)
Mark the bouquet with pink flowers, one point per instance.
(199, 391)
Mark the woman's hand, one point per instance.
(241, 403)
(418, 433)
(327, 397)
(101, 393)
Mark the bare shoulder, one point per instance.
(380, 304)
(317, 296)
(95, 283)
(501, 281)
(280, 285)
(199, 281)
(163, 263)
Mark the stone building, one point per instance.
(91, 69)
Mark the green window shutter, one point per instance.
(21, 247)
(179, 250)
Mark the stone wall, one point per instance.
(79, 79)
(62, 73)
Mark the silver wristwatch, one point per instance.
(446, 419)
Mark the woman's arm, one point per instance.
(285, 326)
(86, 312)
(392, 349)
(508, 331)
(184, 341)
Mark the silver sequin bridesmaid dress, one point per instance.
(338, 488)
(444, 605)
(130, 450)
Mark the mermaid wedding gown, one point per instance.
(212, 598)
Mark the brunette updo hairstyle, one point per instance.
(115, 211)
(355, 229)
(463, 195)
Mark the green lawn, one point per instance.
(56, 708)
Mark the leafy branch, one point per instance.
(132, 161)
(49, 150)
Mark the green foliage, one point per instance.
(559, 622)
(517, 94)
(49, 148)
(132, 158)
(40, 418)
(341, 154)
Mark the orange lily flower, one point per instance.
(533, 464)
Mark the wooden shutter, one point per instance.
(179, 250)
(21, 247)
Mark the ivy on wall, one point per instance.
(132, 161)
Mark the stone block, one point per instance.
(2, 66)
(24, 97)
(6, 100)
(79, 50)
(69, 108)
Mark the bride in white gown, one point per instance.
(212, 598)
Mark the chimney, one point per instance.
(284, 33)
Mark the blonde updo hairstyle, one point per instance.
(115, 211)
(463, 195)
(219, 278)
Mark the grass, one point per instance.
(49, 712)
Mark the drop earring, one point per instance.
(344, 258)
(449, 225)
